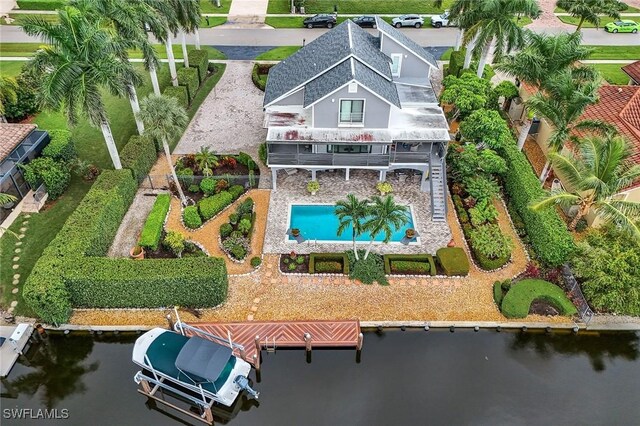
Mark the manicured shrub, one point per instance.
(409, 267)
(46, 293)
(194, 189)
(328, 267)
(453, 261)
(256, 261)
(181, 93)
(60, 147)
(41, 4)
(54, 174)
(367, 271)
(236, 191)
(456, 61)
(225, 230)
(341, 258)
(189, 77)
(487, 263)
(208, 186)
(211, 206)
(497, 293)
(262, 153)
(191, 218)
(490, 241)
(139, 155)
(244, 226)
(258, 78)
(199, 59)
(517, 301)
(244, 158)
(238, 252)
(152, 229)
(426, 259)
(547, 232)
(175, 242)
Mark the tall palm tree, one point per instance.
(8, 94)
(591, 10)
(495, 21)
(457, 9)
(602, 169)
(188, 15)
(82, 59)
(385, 216)
(352, 212)
(163, 33)
(6, 198)
(165, 119)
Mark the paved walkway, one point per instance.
(131, 226)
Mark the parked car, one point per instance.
(365, 21)
(622, 26)
(408, 21)
(441, 21)
(323, 20)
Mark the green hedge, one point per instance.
(152, 229)
(191, 217)
(41, 4)
(60, 147)
(54, 174)
(180, 93)
(199, 59)
(547, 232)
(139, 155)
(189, 77)
(328, 267)
(211, 206)
(497, 293)
(456, 61)
(517, 301)
(328, 257)
(258, 75)
(453, 260)
(422, 258)
(247, 160)
(489, 264)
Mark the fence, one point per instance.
(575, 294)
(164, 181)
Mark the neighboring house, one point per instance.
(19, 144)
(633, 71)
(351, 100)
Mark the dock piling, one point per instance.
(170, 321)
(258, 353)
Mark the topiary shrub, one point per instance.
(328, 267)
(188, 77)
(453, 261)
(425, 261)
(139, 155)
(152, 229)
(225, 230)
(315, 258)
(60, 147)
(41, 4)
(456, 61)
(180, 93)
(497, 293)
(208, 186)
(236, 191)
(211, 206)
(194, 189)
(191, 218)
(199, 59)
(517, 302)
(409, 267)
(54, 174)
(175, 242)
(262, 153)
(256, 261)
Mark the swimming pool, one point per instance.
(319, 222)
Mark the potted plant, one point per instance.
(410, 233)
(137, 252)
(452, 243)
(295, 232)
(313, 187)
(384, 187)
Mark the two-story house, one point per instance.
(352, 100)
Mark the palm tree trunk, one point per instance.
(172, 61)
(111, 145)
(197, 34)
(167, 154)
(483, 59)
(154, 80)
(366, 254)
(469, 54)
(355, 251)
(135, 106)
(524, 132)
(185, 54)
(3, 119)
(582, 211)
(545, 172)
(458, 40)
(580, 24)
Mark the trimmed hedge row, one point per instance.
(328, 257)
(489, 264)
(517, 302)
(425, 259)
(548, 233)
(60, 147)
(259, 75)
(41, 4)
(152, 229)
(453, 260)
(139, 155)
(178, 92)
(328, 267)
(199, 59)
(189, 77)
(211, 206)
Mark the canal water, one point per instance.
(403, 378)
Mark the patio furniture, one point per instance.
(406, 240)
(299, 238)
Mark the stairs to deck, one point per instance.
(438, 189)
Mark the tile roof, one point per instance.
(11, 135)
(398, 36)
(633, 71)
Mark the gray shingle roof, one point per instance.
(328, 82)
(406, 41)
(376, 83)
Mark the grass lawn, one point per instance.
(19, 18)
(209, 6)
(296, 21)
(612, 73)
(214, 21)
(629, 9)
(615, 52)
(447, 54)
(574, 21)
(397, 7)
(10, 68)
(278, 53)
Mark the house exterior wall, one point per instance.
(296, 98)
(376, 111)
(411, 65)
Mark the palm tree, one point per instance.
(591, 10)
(352, 212)
(385, 216)
(82, 59)
(169, 26)
(206, 160)
(602, 169)
(188, 15)
(7, 198)
(456, 10)
(8, 94)
(495, 21)
(165, 119)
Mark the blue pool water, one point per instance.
(319, 222)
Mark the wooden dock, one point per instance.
(270, 335)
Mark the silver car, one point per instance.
(408, 21)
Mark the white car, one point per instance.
(441, 21)
(408, 21)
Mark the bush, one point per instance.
(497, 293)
(211, 206)
(491, 242)
(245, 207)
(191, 218)
(423, 259)
(236, 191)
(152, 229)
(61, 147)
(234, 218)
(139, 155)
(409, 267)
(181, 93)
(54, 174)
(26, 97)
(259, 75)
(340, 258)
(194, 189)
(367, 271)
(199, 59)
(487, 263)
(517, 301)
(262, 153)
(256, 261)
(175, 242)
(225, 230)
(456, 61)
(486, 126)
(483, 212)
(208, 186)
(244, 226)
(221, 185)
(189, 77)
(185, 176)
(238, 252)
(244, 158)
(41, 4)
(482, 188)
(328, 267)
(547, 232)
(453, 261)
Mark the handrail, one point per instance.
(183, 326)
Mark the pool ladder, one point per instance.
(270, 348)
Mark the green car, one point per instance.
(623, 26)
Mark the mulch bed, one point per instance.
(300, 268)
(540, 307)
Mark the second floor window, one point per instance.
(351, 111)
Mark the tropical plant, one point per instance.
(206, 160)
(26, 103)
(468, 161)
(352, 212)
(174, 241)
(164, 119)
(482, 187)
(8, 94)
(313, 186)
(188, 16)
(601, 169)
(244, 226)
(384, 187)
(591, 10)
(488, 127)
(457, 9)
(163, 30)
(504, 89)
(384, 216)
(82, 59)
(494, 21)
(466, 93)
(484, 211)
(489, 241)
(7, 198)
